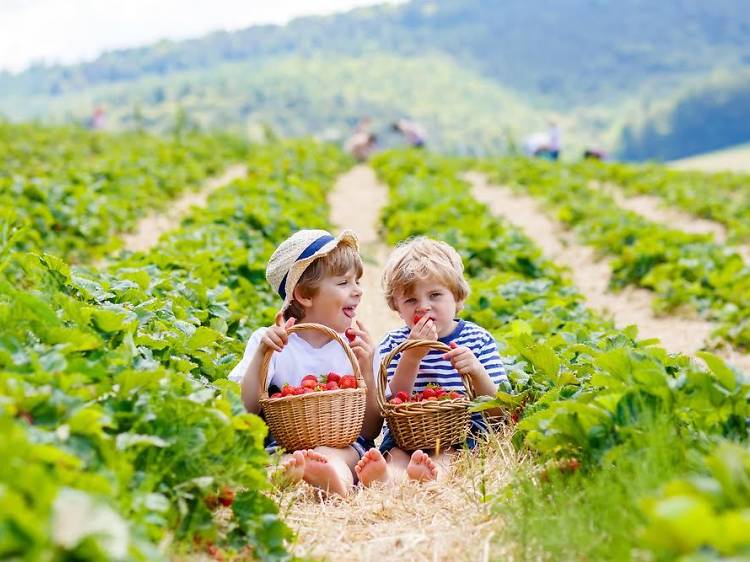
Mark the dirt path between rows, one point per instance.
(150, 228)
(656, 210)
(410, 522)
(591, 274)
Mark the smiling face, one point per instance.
(335, 302)
(432, 298)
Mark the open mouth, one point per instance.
(349, 311)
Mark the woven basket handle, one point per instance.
(404, 346)
(315, 327)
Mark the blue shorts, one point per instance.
(361, 445)
(389, 443)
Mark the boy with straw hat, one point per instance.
(317, 277)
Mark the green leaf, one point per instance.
(202, 337)
(543, 359)
(109, 320)
(719, 369)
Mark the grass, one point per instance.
(591, 514)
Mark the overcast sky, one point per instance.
(75, 30)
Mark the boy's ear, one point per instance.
(305, 302)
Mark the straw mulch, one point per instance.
(452, 519)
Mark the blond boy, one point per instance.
(424, 283)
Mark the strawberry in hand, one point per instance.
(350, 334)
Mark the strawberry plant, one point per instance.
(114, 406)
(76, 190)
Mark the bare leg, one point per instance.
(330, 469)
(372, 468)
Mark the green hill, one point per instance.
(470, 69)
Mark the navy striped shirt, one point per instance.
(434, 369)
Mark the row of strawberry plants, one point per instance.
(581, 389)
(118, 431)
(683, 270)
(722, 197)
(74, 190)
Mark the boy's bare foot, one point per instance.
(372, 468)
(421, 468)
(321, 474)
(291, 470)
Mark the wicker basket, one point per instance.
(333, 418)
(427, 424)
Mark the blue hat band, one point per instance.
(314, 246)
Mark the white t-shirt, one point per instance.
(298, 359)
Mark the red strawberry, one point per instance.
(455, 395)
(309, 383)
(416, 397)
(310, 377)
(226, 496)
(333, 377)
(297, 390)
(570, 465)
(276, 395)
(348, 381)
(396, 400)
(287, 389)
(307, 390)
(417, 318)
(350, 335)
(332, 385)
(403, 396)
(428, 393)
(431, 398)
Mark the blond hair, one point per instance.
(338, 261)
(420, 259)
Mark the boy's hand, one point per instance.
(424, 329)
(277, 336)
(464, 361)
(361, 345)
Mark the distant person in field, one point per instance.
(594, 154)
(545, 145)
(98, 119)
(554, 140)
(413, 132)
(363, 141)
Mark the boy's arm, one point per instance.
(406, 371)
(366, 355)
(484, 371)
(251, 382)
(274, 337)
(408, 366)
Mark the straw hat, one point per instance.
(291, 258)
